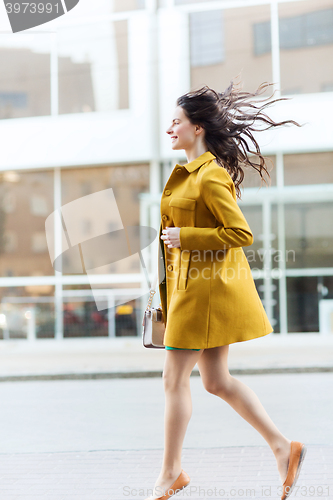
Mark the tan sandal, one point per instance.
(297, 454)
(181, 482)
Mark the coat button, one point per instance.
(164, 217)
(169, 268)
(178, 171)
(167, 192)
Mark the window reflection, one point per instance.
(309, 168)
(233, 55)
(126, 182)
(26, 199)
(254, 252)
(27, 312)
(207, 38)
(275, 321)
(306, 42)
(93, 67)
(83, 319)
(276, 306)
(303, 304)
(297, 31)
(309, 235)
(25, 86)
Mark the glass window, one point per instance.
(276, 258)
(27, 312)
(236, 52)
(10, 241)
(93, 67)
(82, 318)
(275, 263)
(275, 322)
(314, 28)
(319, 27)
(39, 205)
(254, 255)
(309, 168)
(293, 32)
(306, 41)
(207, 38)
(26, 199)
(25, 83)
(302, 300)
(276, 306)
(38, 242)
(309, 235)
(259, 286)
(126, 182)
(262, 38)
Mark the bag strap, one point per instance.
(151, 295)
(152, 288)
(152, 292)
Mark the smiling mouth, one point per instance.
(174, 137)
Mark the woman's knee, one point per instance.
(219, 387)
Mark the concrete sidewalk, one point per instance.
(126, 357)
(222, 473)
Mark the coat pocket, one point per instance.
(185, 259)
(183, 211)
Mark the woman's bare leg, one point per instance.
(214, 371)
(178, 409)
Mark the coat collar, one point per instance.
(193, 165)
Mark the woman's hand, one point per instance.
(171, 237)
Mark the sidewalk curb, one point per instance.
(158, 373)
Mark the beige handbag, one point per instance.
(153, 325)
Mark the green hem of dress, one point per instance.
(181, 348)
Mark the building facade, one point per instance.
(84, 106)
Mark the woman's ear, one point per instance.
(198, 129)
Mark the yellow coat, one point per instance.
(207, 291)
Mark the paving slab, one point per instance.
(222, 473)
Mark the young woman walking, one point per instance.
(208, 296)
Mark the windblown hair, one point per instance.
(229, 120)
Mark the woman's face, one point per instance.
(182, 132)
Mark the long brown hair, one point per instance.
(229, 120)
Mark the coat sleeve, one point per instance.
(216, 189)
